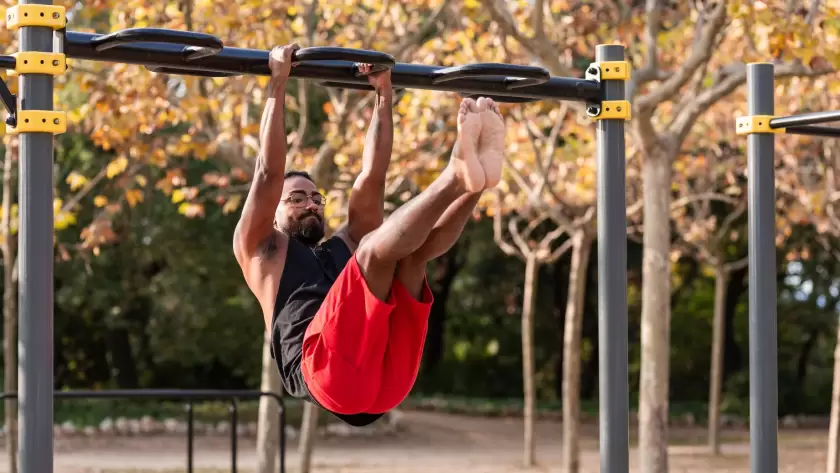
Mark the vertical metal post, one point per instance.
(612, 276)
(35, 247)
(190, 435)
(762, 275)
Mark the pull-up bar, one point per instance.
(335, 65)
(760, 126)
(44, 47)
(800, 124)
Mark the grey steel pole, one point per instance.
(35, 346)
(612, 277)
(762, 275)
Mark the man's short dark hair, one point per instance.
(302, 174)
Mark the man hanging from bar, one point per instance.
(348, 316)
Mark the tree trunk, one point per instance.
(9, 307)
(531, 275)
(656, 314)
(308, 426)
(834, 427)
(571, 350)
(716, 369)
(562, 273)
(733, 360)
(268, 432)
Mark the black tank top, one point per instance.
(307, 277)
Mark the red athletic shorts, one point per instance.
(360, 354)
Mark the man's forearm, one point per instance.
(379, 141)
(272, 157)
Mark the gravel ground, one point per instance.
(427, 442)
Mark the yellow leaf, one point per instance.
(76, 180)
(141, 180)
(63, 220)
(134, 196)
(177, 196)
(191, 210)
(100, 201)
(232, 204)
(116, 167)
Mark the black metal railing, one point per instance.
(191, 396)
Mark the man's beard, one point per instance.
(308, 231)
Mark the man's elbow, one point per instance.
(370, 182)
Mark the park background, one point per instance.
(152, 172)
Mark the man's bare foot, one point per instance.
(465, 162)
(491, 143)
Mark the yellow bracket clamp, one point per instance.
(608, 70)
(615, 70)
(611, 109)
(755, 124)
(32, 62)
(40, 121)
(49, 16)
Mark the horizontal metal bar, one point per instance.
(814, 130)
(513, 75)
(813, 118)
(8, 62)
(230, 60)
(193, 45)
(160, 394)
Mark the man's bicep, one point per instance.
(256, 223)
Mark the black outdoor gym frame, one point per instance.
(44, 47)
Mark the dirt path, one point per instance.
(427, 443)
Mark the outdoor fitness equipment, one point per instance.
(761, 126)
(44, 46)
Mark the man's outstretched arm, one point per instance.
(367, 199)
(255, 225)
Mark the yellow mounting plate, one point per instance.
(49, 16)
(614, 109)
(615, 70)
(755, 124)
(34, 62)
(40, 121)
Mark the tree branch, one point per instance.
(403, 47)
(498, 236)
(539, 20)
(730, 219)
(701, 53)
(560, 251)
(650, 71)
(812, 12)
(736, 265)
(539, 46)
(513, 230)
(532, 225)
(78, 196)
(683, 201)
(684, 120)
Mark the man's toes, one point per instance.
(478, 106)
